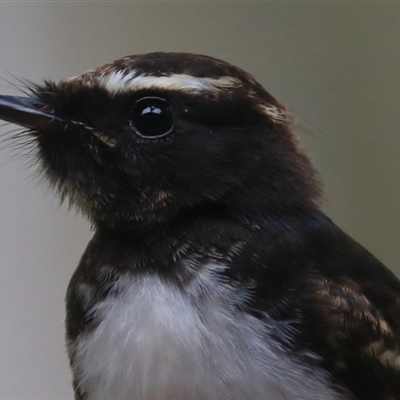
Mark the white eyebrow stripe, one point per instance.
(119, 81)
(276, 114)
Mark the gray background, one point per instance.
(335, 65)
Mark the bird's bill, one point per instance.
(32, 114)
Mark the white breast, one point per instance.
(157, 342)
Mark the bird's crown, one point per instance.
(182, 72)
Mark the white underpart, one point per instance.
(156, 342)
(122, 81)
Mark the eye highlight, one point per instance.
(152, 118)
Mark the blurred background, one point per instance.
(335, 65)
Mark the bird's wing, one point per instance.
(363, 320)
(338, 301)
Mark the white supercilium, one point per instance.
(122, 81)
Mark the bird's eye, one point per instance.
(152, 118)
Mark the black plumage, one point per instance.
(183, 162)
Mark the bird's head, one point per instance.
(149, 137)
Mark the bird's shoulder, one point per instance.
(332, 299)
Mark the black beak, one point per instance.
(32, 114)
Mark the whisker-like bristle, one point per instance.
(16, 134)
(20, 85)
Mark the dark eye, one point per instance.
(152, 117)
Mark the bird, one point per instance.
(214, 272)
